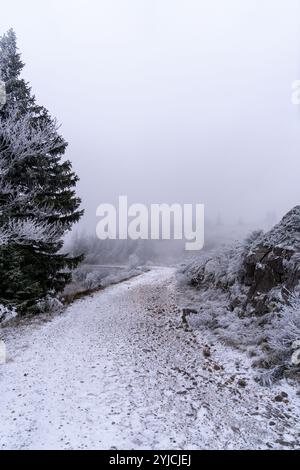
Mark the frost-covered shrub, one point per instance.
(282, 331)
(85, 278)
(88, 278)
(133, 261)
(49, 305)
(6, 314)
(93, 280)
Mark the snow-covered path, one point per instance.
(118, 370)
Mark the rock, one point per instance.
(271, 268)
(258, 276)
(185, 313)
(278, 398)
(206, 352)
(296, 344)
(242, 383)
(295, 359)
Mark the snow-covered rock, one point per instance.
(296, 358)
(271, 268)
(260, 275)
(296, 344)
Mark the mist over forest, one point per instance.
(170, 104)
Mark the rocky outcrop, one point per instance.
(248, 294)
(271, 268)
(257, 276)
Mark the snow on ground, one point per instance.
(119, 370)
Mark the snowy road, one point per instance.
(118, 370)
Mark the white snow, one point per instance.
(118, 370)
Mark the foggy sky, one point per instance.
(170, 100)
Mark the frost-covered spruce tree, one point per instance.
(37, 198)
